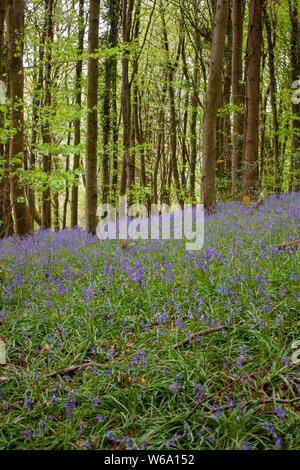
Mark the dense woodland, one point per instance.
(162, 101)
(128, 342)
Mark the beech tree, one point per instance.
(238, 92)
(212, 102)
(295, 64)
(46, 130)
(92, 120)
(78, 100)
(252, 74)
(15, 27)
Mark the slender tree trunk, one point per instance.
(238, 92)
(2, 177)
(295, 63)
(47, 158)
(67, 193)
(262, 137)
(226, 122)
(36, 104)
(77, 121)
(56, 207)
(212, 102)
(184, 151)
(173, 121)
(271, 45)
(195, 106)
(7, 227)
(115, 129)
(107, 112)
(253, 59)
(126, 97)
(160, 141)
(92, 120)
(15, 26)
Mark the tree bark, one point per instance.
(295, 63)
(3, 177)
(253, 60)
(271, 45)
(107, 112)
(262, 137)
(15, 26)
(195, 110)
(47, 158)
(92, 120)
(36, 106)
(77, 121)
(172, 66)
(238, 93)
(212, 102)
(128, 6)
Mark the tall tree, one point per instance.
(46, 126)
(128, 6)
(252, 73)
(238, 92)
(271, 41)
(172, 66)
(211, 104)
(195, 111)
(15, 26)
(38, 79)
(7, 227)
(110, 76)
(92, 120)
(295, 63)
(77, 121)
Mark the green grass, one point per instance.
(145, 393)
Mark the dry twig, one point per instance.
(200, 333)
(71, 369)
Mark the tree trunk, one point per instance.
(172, 66)
(107, 112)
(77, 136)
(92, 120)
(271, 45)
(115, 128)
(36, 105)
(262, 137)
(2, 177)
(195, 106)
(295, 63)
(47, 158)
(126, 98)
(15, 26)
(253, 59)
(238, 92)
(212, 102)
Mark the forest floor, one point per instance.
(68, 299)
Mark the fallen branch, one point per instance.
(257, 402)
(71, 369)
(214, 394)
(200, 333)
